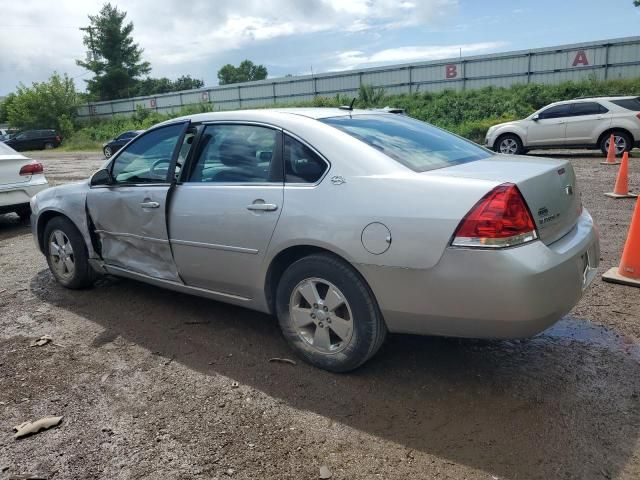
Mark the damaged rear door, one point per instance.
(129, 214)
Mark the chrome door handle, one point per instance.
(263, 207)
(149, 204)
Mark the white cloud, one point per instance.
(355, 58)
(172, 32)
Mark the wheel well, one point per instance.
(282, 261)
(608, 132)
(43, 219)
(504, 135)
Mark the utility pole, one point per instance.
(91, 44)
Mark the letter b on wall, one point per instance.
(450, 71)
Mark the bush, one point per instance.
(52, 104)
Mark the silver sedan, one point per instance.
(345, 224)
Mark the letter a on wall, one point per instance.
(451, 71)
(580, 59)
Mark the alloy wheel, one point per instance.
(107, 152)
(321, 315)
(509, 146)
(619, 142)
(61, 254)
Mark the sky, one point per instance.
(197, 37)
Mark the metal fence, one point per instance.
(605, 59)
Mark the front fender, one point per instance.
(66, 200)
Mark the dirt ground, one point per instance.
(158, 385)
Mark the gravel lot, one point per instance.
(158, 385)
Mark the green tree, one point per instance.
(247, 71)
(4, 107)
(185, 82)
(636, 3)
(113, 57)
(154, 86)
(51, 104)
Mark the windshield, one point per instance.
(415, 144)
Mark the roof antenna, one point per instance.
(348, 107)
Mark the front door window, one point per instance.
(148, 158)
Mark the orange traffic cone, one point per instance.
(628, 273)
(621, 189)
(611, 153)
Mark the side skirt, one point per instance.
(175, 286)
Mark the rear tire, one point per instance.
(48, 146)
(107, 152)
(67, 254)
(509, 144)
(341, 326)
(622, 141)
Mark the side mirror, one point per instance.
(101, 177)
(535, 118)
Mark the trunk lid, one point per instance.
(10, 165)
(548, 187)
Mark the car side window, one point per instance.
(558, 111)
(236, 154)
(587, 108)
(147, 159)
(302, 165)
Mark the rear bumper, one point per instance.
(510, 293)
(18, 194)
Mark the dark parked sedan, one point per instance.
(112, 146)
(35, 140)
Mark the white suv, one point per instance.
(579, 123)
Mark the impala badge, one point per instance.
(568, 190)
(338, 180)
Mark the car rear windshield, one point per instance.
(629, 103)
(415, 144)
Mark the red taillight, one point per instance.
(638, 115)
(500, 219)
(31, 169)
(58, 138)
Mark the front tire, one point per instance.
(621, 140)
(67, 254)
(328, 314)
(107, 152)
(509, 144)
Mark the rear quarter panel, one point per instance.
(421, 213)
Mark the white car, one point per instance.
(20, 179)
(579, 123)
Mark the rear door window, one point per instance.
(237, 154)
(587, 108)
(415, 144)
